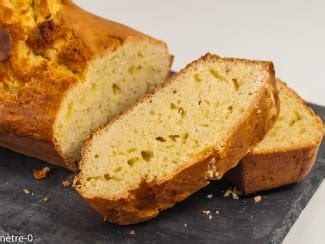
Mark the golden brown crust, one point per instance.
(149, 199)
(96, 33)
(145, 202)
(260, 171)
(264, 172)
(42, 150)
(41, 58)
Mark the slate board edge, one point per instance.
(282, 231)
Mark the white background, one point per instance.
(291, 33)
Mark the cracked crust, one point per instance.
(45, 50)
(148, 199)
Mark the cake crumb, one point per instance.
(185, 225)
(212, 172)
(217, 212)
(45, 199)
(41, 174)
(233, 192)
(132, 232)
(27, 191)
(209, 196)
(206, 212)
(257, 199)
(66, 183)
(210, 217)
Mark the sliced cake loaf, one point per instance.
(65, 72)
(288, 151)
(195, 127)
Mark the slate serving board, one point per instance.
(66, 218)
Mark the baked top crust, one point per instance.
(46, 47)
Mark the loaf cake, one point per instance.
(193, 128)
(65, 72)
(288, 151)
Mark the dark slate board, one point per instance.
(66, 218)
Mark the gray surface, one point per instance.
(66, 218)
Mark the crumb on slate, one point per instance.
(206, 212)
(66, 183)
(27, 191)
(185, 225)
(209, 196)
(217, 212)
(257, 199)
(233, 192)
(45, 199)
(132, 232)
(41, 174)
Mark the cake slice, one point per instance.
(65, 72)
(195, 127)
(288, 151)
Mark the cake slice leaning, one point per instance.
(193, 128)
(288, 151)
